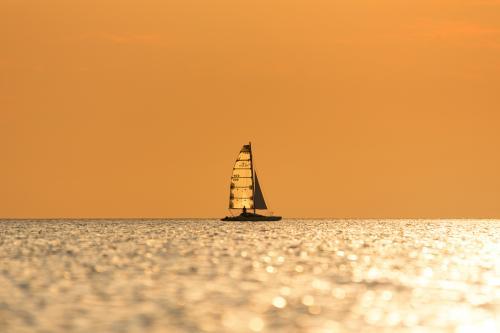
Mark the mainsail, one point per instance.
(245, 190)
(241, 192)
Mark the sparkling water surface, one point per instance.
(290, 276)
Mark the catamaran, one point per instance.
(245, 192)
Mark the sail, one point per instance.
(259, 202)
(241, 192)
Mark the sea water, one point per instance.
(288, 276)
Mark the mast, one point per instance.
(253, 176)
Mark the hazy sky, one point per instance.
(355, 108)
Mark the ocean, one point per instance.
(315, 276)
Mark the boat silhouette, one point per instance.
(245, 192)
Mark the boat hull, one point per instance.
(251, 218)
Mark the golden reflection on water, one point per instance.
(288, 276)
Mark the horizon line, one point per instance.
(218, 218)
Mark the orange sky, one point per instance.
(114, 108)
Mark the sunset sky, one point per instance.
(115, 108)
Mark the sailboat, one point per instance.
(245, 192)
